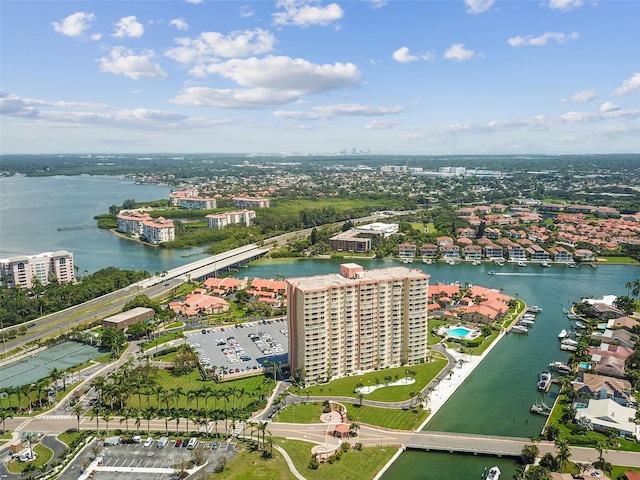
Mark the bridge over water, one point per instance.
(468, 443)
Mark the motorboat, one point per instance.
(568, 348)
(500, 263)
(534, 309)
(427, 261)
(526, 321)
(522, 264)
(544, 381)
(560, 367)
(580, 325)
(563, 333)
(545, 264)
(476, 262)
(529, 316)
(519, 329)
(494, 474)
(541, 408)
(569, 341)
(491, 272)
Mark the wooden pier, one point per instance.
(77, 227)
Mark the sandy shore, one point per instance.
(450, 384)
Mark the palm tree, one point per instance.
(136, 416)
(106, 418)
(564, 453)
(206, 392)
(96, 411)
(125, 416)
(530, 453)
(269, 443)
(148, 414)
(98, 383)
(55, 375)
(78, 411)
(4, 414)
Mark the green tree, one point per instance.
(530, 453)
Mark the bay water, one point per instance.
(495, 400)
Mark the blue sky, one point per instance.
(299, 76)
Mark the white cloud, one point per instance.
(269, 82)
(565, 5)
(478, 6)
(96, 36)
(128, 27)
(541, 41)
(629, 85)
(246, 11)
(582, 96)
(457, 51)
(402, 55)
(377, 3)
(305, 13)
(125, 62)
(74, 25)
(378, 124)
(609, 107)
(209, 46)
(326, 112)
(536, 123)
(179, 23)
(193, 1)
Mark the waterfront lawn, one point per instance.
(395, 418)
(353, 464)
(617, 260)
(300, 413)
(44, 455)
(250, 463)
(346, 386)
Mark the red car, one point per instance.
(178, 442)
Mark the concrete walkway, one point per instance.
(290, 464)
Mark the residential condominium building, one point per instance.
(251, 202)
(158, 230)
(131, 222)
(357, 320)
(197, 203)
(24, 270)
(221, 220)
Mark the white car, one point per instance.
(148, 442)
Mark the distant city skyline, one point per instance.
(304, 76)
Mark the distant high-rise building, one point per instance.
(357, 320)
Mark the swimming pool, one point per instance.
(584, 365)
(458, 332)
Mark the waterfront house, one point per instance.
(623, 322)
(406, 250)
(584, 255)
(561, 254)
(537, 253)
(606, 414)
(603, 386)
(620, 337)
(450, 252)
(443, 290)
(158, 230)
(492, 233)
(429, 250)
(472, 252)
(493, 252)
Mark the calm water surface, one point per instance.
(495, 400)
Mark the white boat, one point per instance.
(450, 261)
(568, 348)
(541, 409)
(534, 309)
(491, 272)
(563, 333)
(569, 341)
(406, 260)
(529, 316)
(522, 264)
(428, 261)
(500, 263)
(571, 265)
(519, 329)
(544, 381)
(545, 264)
(560, 367)
(580, 325)
(526, 321)
(494, 474)
(476, 262)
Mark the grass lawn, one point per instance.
(167, 337)
(174, 325)
(361, 465)
(619, 470)
(68, 437)
(249, 464)
(193, 381)
(617, 260)
(346, 386)
(300, 413)
(395, 418)
(419, 226)
(44, 455)
(167, 357)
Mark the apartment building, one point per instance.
(23, 270)
(131, 222)
(221, 220)
(197, 203)
(251, 202)
(356, 320)
(158, 230)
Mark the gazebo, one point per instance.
(341, 430)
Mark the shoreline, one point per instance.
(449, 385)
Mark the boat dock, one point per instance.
(76, 227)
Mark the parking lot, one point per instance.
(241, 348)
(135, 461)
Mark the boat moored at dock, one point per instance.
(494, 474)
(561, 367)
(563, 333)
(519, 329)
(544, 381)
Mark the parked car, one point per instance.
(179, 442)
(148, 442)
